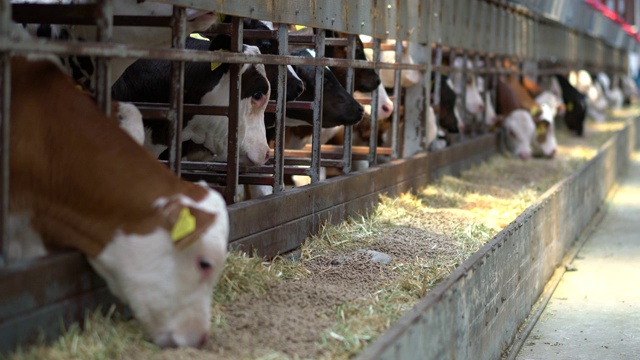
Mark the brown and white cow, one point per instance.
(527, 130)
(78, 181)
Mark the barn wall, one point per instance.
(476, 312)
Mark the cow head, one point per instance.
(338, 106)
(445, 111)
(385, 105)
(365, 80)
(295, 86)
(167, 275)
(212, 131)
(519, 130)
(473, 102)
(408, 78)
(544, 141)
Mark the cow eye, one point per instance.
(204, 265)
(257, 96)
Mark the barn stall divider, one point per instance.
(37, 293)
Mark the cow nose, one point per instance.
(524, 155)
(266, 158)
(360, 110)
(386, 109)
(480, 108)
(552, 153)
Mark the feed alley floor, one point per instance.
(594, 312)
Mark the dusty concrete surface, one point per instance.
(595, 310)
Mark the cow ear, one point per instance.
(220, 42)
(186, 224)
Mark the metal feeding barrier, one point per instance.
(490, 31)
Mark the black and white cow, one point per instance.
(295, 86)
(364, 80)
(576, 106)
(149, 81)
(445, 110)
(338, 106)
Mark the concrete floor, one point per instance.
(595, 311)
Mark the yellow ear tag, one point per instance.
(540, 130)
(185, 225)
(199, 37)
(570, 106)
(221, 17)
(535, 110)
(215, 65)
(433, 82)
(300, 27)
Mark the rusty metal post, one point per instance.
(104, 22)
(477, 125)
(437, 81)
(281, 110)
(348, 130)
(235, 88)
(465, 59)
(397, 91)
(176, 99)
(5, 101)
(373, 136)
(426, 73)
(314, 171)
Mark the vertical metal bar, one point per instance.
(281, 110)
(348, 130)
(373, 137)
(104, 22)
(496, 78)
(5, 101)
(437, 82)
(426, 91)
(317, 110)
(465, 59)
(476, 61)
(233, 153)
(178, 40)
(397, 93)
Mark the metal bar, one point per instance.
(373, 137)
(235, 88)
(5, 103)
(314, 171)
(426, 91)
(465, 118)
(77, 14)
(476, 61)
(283, 49)
(437, 82)
(39, 46)
(176, 98)
(104, 22)
(348, 130)
(397, 91)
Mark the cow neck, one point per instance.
(79, 176)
